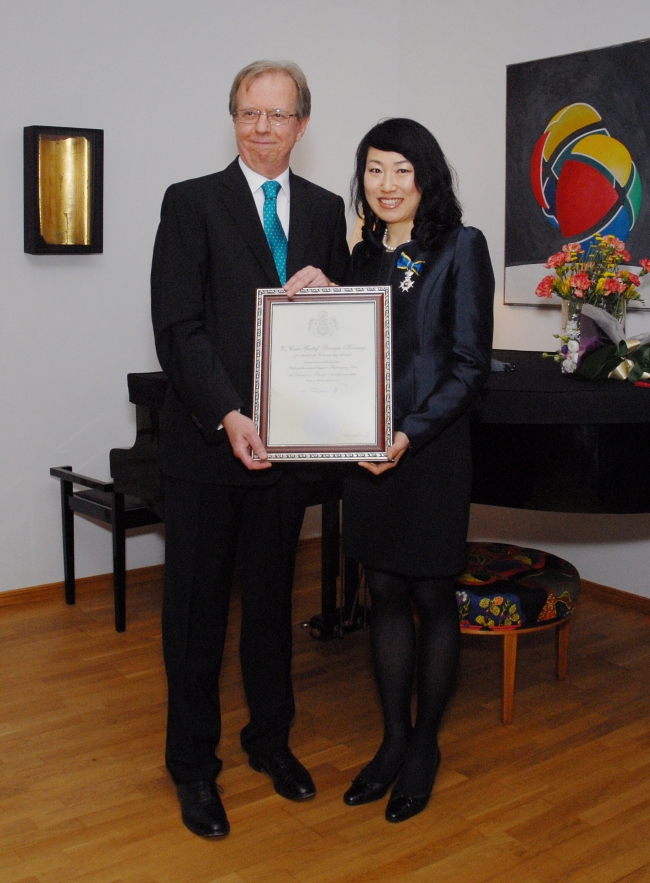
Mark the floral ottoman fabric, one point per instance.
(508, 587)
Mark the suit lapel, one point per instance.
(299, 225)
(239, 202)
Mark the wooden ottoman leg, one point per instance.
(562, 643)
(509, 669)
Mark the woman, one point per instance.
(406, 520)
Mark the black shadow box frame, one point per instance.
(34, 241)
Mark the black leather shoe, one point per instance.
(202, 810)
(361, 792)
(401, 807)
(290, 778)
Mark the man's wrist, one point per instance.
(220, 426)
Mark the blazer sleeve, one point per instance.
(178, 280)
(451, 382)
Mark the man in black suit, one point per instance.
(220, 238)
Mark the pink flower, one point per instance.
(580, 281)
(644, 263)
(556, 260)
(618, 246)
(545, 287)
(572, 247)
(634, 279)
(614, 286)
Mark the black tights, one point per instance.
(397, 655)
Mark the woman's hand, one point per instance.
(395, 454)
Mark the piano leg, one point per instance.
(334, 621)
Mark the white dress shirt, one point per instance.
(255, 182)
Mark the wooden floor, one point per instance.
(561, 795)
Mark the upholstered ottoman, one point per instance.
(507, 591)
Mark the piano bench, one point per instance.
(103, 503)
(509, 591)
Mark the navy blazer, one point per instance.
(210, 256)
(442, 330)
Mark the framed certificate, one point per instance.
(322, 379)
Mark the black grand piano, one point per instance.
(541, 440)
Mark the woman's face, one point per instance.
(389, 183)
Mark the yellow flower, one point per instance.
(484, 602)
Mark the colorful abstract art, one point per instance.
(578, 158)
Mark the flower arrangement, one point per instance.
(592, 277)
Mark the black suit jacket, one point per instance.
(210, 256)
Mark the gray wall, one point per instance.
(155, 77)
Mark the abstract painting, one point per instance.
(577, 159)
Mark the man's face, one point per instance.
(265, 148)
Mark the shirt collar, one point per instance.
(255, 180)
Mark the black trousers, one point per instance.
(209, 530)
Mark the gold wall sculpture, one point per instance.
(64, 195)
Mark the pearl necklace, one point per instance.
(384, 241)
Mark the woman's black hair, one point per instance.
(439, 210)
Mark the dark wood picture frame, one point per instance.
(336, 299)
(63, 190)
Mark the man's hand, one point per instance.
(395, 454)
(243, 436)
(308, 277)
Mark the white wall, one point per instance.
(155, 74)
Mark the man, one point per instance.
(220, 238)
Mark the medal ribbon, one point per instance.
(405, 263)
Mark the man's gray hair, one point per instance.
(257, 68)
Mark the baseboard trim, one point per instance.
(616, 596)
(103, 582)
(100, 583)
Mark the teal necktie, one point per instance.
(273, 229)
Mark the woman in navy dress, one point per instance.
(406, 520)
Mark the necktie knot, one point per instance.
(270, 189)
(275, 235)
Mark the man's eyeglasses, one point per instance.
(250, 116)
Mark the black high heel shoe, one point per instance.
(401, 807)
(362, 791)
